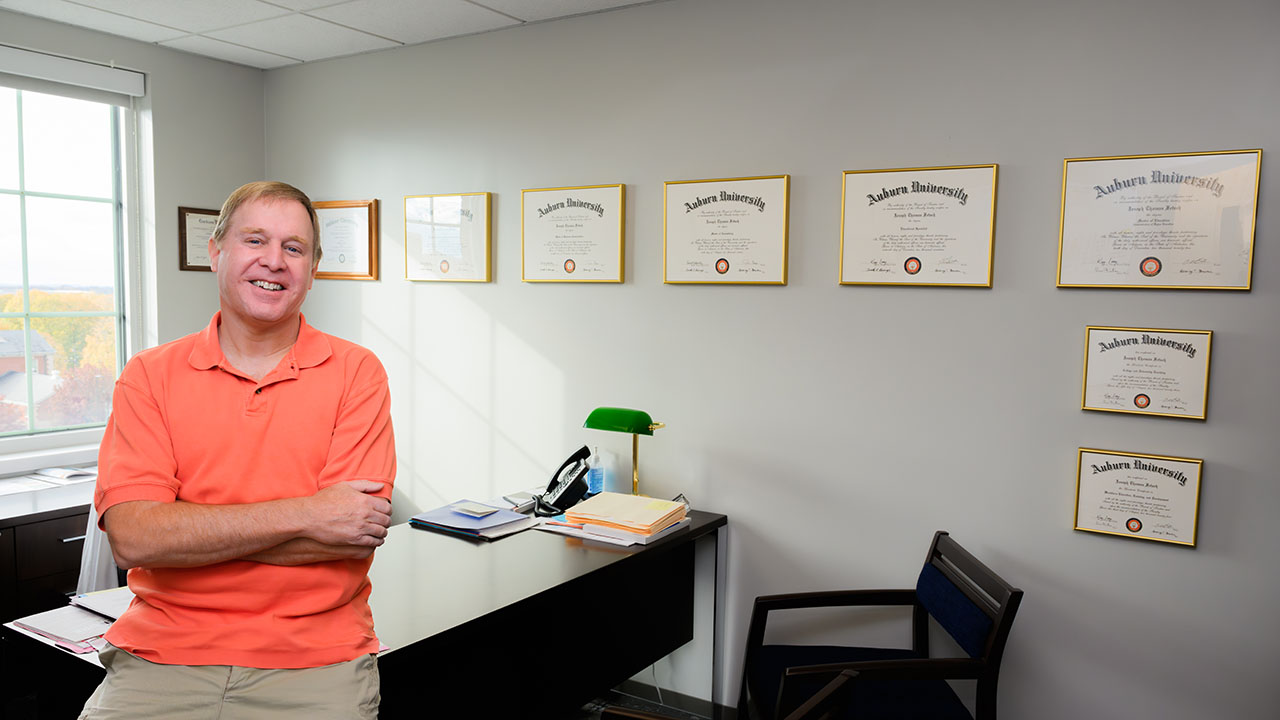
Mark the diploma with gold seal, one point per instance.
(1150, 497)
(1147, 371)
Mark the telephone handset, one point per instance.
(568, 485)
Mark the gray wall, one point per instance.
(838, 426)
(200, 128)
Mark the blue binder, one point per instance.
(484, 528)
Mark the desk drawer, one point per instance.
(46, 593)
(50, 546)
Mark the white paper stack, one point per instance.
(603, 534)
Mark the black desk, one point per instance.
(487, 629)
(533, 625)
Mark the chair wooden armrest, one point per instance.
(834, 598)
(766, 604)
(935, 668)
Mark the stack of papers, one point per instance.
(452, 519)
(613, 536)
(633, 514)
(66, 476)
(69, 627)
(108, 603)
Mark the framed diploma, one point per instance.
(918, 226)
(448, 237)
(572, 234)
(1147, 372)
(1159, 221)
(195, 227)
(349, 238)
(1151, 497)
(731, 231)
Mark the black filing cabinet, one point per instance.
(40, 546)
(40, 560)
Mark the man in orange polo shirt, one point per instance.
(244, 480)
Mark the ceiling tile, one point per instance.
(191, 15)
(530, 10)
(414, 21)
(72, 14)
(274, 33)
(230, 53)
(302, 37)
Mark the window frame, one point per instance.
(34, 448)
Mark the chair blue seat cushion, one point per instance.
(873, 698)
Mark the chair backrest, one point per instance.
(97, 565)
(972, 603)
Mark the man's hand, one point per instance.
(348, 513)
(348, 522)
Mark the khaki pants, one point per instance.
(137, 688)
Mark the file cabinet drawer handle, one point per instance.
(77, 538)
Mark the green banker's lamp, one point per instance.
(636, 422)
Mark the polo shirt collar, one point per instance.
(310, 349)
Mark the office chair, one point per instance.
(402, 508)
(973, 604)
(98, 569)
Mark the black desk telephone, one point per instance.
(568, 485)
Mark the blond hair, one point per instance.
(271, 191)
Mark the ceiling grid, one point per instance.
(268, 34)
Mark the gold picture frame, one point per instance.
(448, 237)
(349, 238)
(573, 234)
(1147, 371)
(1170, 221)
(918, 226)
(1138, 495)
(733, 231)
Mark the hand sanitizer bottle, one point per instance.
(595, 475)
(612, 481)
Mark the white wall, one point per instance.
(201, 124)
(838, 426)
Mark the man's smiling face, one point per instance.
(264, 264)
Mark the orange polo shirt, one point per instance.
(187, 426)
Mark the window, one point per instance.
(61, 244)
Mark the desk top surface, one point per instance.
(425, 582)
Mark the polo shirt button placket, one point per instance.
(256, 402)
